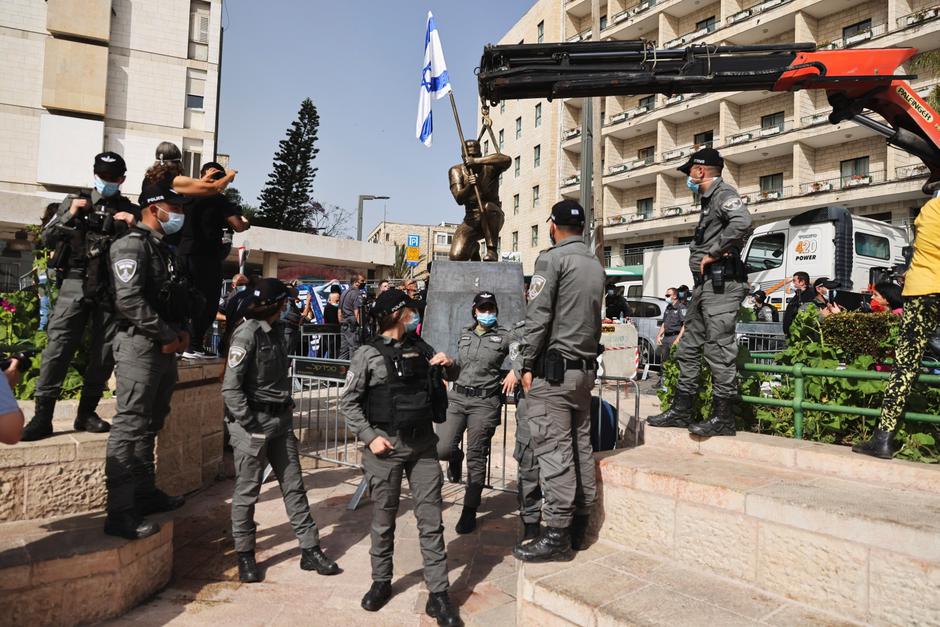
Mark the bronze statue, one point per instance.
(475, 184)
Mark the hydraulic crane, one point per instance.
(855, 81)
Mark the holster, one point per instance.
(553, 366)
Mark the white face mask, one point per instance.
(173, 223)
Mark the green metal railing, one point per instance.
(799, 372)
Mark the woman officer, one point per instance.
(256, 389)
(474, 403)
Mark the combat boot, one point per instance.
(87, 419)
(159, 502)
(129, 526)
(315, 559)
(40, 425)
(554, 545)
(579, 527)
(720, 422)
(679, 413)
(880, 445)
(377, 596)
(247, 567)
(439, 607)
(467, 522)
(530, 531)
(455, 466)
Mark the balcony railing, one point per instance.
(684, 39)
(843, 183)
(759, 132)
(858, 38)
(584, 35)
(633, 11)
(684, 151)
(630, 114)
(767, 195)
(757, 9)
(914, 171)
(820, 117)
(571, 133)
(571, 181)
(919, 17)
(677, 98)
(627, 166)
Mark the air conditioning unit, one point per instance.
(860, 37)
(856, 181)
(766, 6)
(199, 25)
(773, 195)
(673, 43)
(620, 117)
(773, 130)
(739, 139)
(674, 99)
(740, 16)
(632, 113)
(820, 187)
(617, 169)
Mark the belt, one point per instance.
(416, 431)
(671, 334)
(581, 364)
(476, 392)
(270, 408)
(75, 274)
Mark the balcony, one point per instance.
(914, 171)
(767, 195)
(627, 166)
(629, 114)
(690, 37)
(759, 132)
(584, 35)
(878, 30)
(918, 17)
(820, 117)
(755, 10)
(633, 11)
(846, 182)
(571, 181)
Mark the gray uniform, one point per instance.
(474, 403)
(256, 389)
(414, 455)
(141, 264)
(527, 466)
(72, 312)
(711, 317)
(349, 304)
(564, 314)
(673, 319)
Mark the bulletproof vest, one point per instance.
(404, 400)
(171, 295)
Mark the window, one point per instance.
(868, 245)
(517, 166)
(502, 106)
(538, 115)
(199, 30)
(441, 254)
(192, 157)
(515, 204)
(603, 22)
(443, 239)
(386, 237)
(535, 196)
(854, 172)
(647, 101)
(856, 29)
(537, 156)
(502, 137)
(643, 309)
(486, 147)
(540, 30)
(195, 88)
(646, 154)
(709, 23)
(774, 120)
(515, 241)
(766, 252)
(607, 255)
(771, 184)
(687, 239)
(535, 235)
(644, 207)
(705, 138)
(518, 127)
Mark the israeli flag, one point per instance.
(434, 81)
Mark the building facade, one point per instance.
(78, 77)
(780, 150)
(434, 240)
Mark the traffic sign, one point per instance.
(414, 241)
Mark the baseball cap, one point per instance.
(705, 156)
(153, 193)
(826, 282)
(110, 164)
(268, 291)
(760, 295)
(392, 300)
(567, 213)
(485, 298)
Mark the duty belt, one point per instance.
(76, 273)
(416, 431)
(268, 408)
(581, 364)
(476, 392)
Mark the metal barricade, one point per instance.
(761, 337)
(321, 341)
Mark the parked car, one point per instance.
(646, 312)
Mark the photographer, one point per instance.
(81, 233)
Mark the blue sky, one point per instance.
(360, 63)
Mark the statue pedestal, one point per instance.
(450, 298)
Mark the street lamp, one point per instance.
(364, 197)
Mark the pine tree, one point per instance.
(286, 196)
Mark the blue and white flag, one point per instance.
(434, 81)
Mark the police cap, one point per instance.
(827, 283)
(390, 301)
(269, 291)
(152, 193)
(760, 295)
(485, 298)
(110, 165)
(705, 156)
(567, 213)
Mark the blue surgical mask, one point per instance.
(173, 224)
(106, 188)
(486, 320)
(412, 325)
(692, 185)
(241, 288)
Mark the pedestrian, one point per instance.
(350, 316)
(387, 404)
(825, 300)
(763, 311)
(887, 296)
(154, 306)
(167, 170)
(670, 331)
(615, 305)
(475, 400)
(257, 392)
(918, 325)
(384, 285)
(803, 294)
(293, 316)
(559, 365)
(720, 279)
(80, 233)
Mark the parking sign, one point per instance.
(414, 241)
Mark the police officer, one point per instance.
(559, 364)
(474, 402)
(350, 316)
(763, 311)
(153, 306)
(670, 331)
(257, 392)
(720, 287)
(387, 404)
(80, 233)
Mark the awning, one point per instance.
(626, 272)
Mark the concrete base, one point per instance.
(450, 298)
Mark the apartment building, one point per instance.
(81, 76)
(434, 240)
(780, 150)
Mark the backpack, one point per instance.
(604, 425)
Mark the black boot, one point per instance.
(880, 445)
(720, 422)
(315, 559)
(455, 466)
(40, 425)
(247, 567)
(579, 527)
(554, 545)
(439, 607)
(377, 596)
(679, 413)
(159, 502)
(530, 531)
(467, 522)
(129, 526)
(87, 419)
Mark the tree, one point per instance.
(328, 220)
(286, 196)
(401, 269)
(929, 63)
(235, 197)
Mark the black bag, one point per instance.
(604, 425)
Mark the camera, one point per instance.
(99, 220)
(24, 355)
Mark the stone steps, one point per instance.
(805, 522)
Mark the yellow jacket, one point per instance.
(924, 275)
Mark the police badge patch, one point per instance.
(236, 355)
(731, 203)
(514, 351)
(350, 377)
(535, 287)
(125, 269)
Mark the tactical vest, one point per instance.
(174, 299)
(404, 400)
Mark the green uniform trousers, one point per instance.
(527, 468)
(479, 417)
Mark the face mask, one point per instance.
(681, 295)
(241, 288)
(412, 325)
(611, 292)
(486, 319)
(692, 185)
(173, 224)
(105, 188)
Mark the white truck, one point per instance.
(664, 268)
